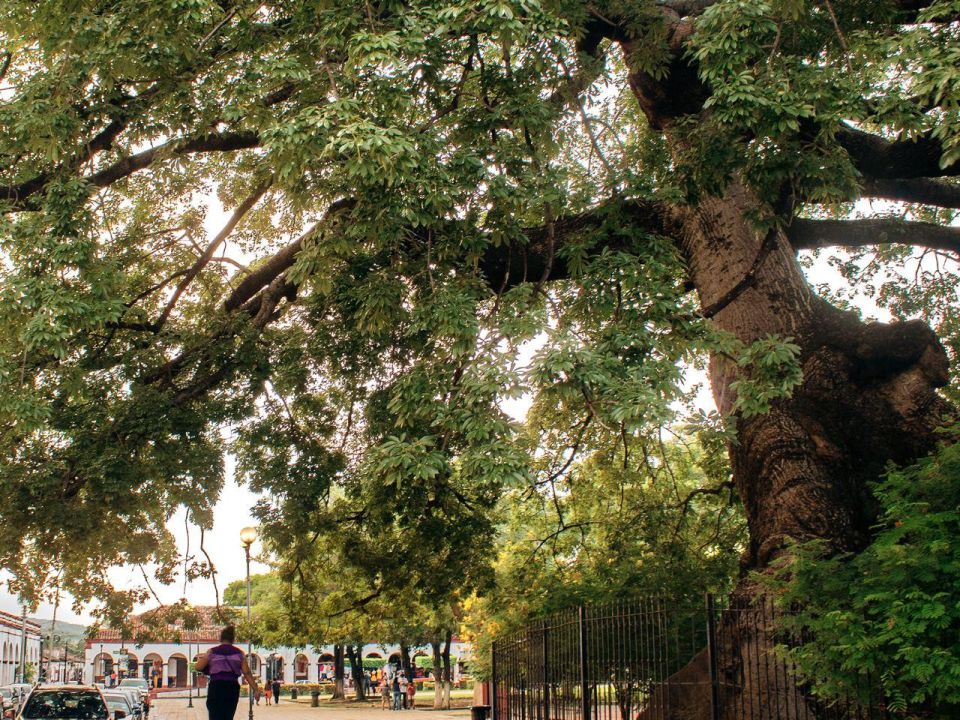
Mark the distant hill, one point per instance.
(69, 631)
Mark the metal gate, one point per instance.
(657, 659)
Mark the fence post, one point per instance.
(712, 658)
(546, 674)
(584, 678)
(494, 713)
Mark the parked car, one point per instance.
(118, 704)
(66, 702)
(137, 686)
(10, 700)
(140, 683)
(132, 695)
(143, 689)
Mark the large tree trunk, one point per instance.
(447, 671)
(435, 645)
(868, 394)
(338, 693)
(405, 664)
(803, 469)
(354, 653)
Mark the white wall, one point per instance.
(10, 652)
(168, 650)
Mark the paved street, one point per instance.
(176, 709)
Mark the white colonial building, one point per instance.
(166, 663)
(12, 634)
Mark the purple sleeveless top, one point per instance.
(224, 662)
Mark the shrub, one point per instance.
(889, 615)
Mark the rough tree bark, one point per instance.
(436, 647)
(405, 663)
(447, 670)
(868, 394)
(338, 693)
(355, 655)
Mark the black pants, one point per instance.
(222, 699)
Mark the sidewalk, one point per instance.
(176, 709)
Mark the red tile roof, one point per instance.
(16, 622)
(168, 625)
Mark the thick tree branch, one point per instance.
(101, 141)
(259, 294)
(275, 266)
(21, 194)
(508, 265)
(906, 9)
(214, 142)
(811, 234)
(925, 191)
(207, 255)
(878, 158)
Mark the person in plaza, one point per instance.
(411, 693)
(384, 694)
(225, 664)
(268, 692)
(403, 689)
(396, 691)
(276, 691)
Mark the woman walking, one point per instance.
(225, 664)
(384, 694)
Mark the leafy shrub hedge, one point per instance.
(889, 616)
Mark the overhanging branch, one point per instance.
(925, 191)
(812, 234)
(261, 277)
(879, 158)
(213, 142)
(211, 248)
(505, 266)
(20, 195)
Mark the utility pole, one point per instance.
(23, 643)
(53, 635)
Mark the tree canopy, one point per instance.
(420, 196)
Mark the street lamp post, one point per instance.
(248, 536)
(122, 660)
(22, 674)
(190, 673)
(54, 641)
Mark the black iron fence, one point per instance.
(656, 659)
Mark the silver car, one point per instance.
(65, 702)
(119, 706)
(143, 691)
(132, 695)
